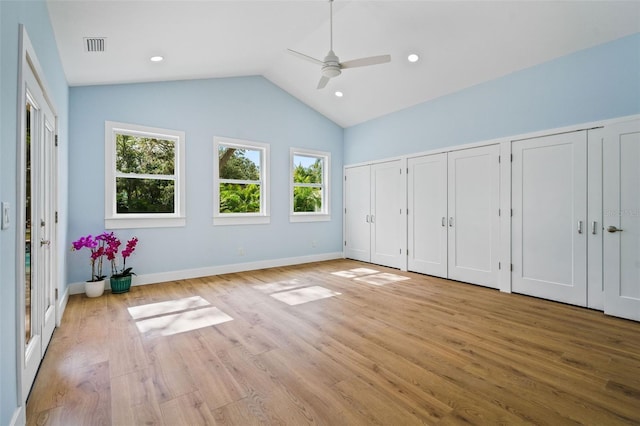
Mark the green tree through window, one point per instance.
(145, 175)
(240, 180)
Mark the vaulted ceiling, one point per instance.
(460, 44)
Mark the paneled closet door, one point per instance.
(473, 220)
(621, 165)
(386, 213)
(549, 228)
(357, 216)
(427, 216)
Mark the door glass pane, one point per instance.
(28, 233)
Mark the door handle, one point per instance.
(579, 227)
(613, 229)
(444, 221)
(45, 243)
(593, 227)
(372, 219)
(450, 221)
(367, 219)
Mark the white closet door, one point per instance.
(357, 215)
(386, 213)
(427, 200)
(473, 221)
(549, 199)
(621, 165)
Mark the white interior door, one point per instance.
(427, 215)
(37, 207)
(386, 213)
(621, 165)
(549, 200)
(357, 216)
(473, 221)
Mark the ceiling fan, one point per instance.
(331, 66)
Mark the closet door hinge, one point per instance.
(56, 294)
(407, 252)
(498, 212)
(56, 217)
(345, 243)
(56, 140)
(499, 159)
(499, 266)
(512, 267)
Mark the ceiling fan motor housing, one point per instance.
(331, 67)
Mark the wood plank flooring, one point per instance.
(417, 351)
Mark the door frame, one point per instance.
(28, 62)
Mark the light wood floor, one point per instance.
(418, 351)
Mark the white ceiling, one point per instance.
(460, 43)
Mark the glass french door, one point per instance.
(37, 222)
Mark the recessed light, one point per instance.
(339, 94)
(413, 57)
(156, 58)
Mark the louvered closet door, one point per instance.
(549, 200)
(357, 215)
(473, 221)
(427, 216)
(386, 213)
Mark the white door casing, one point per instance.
(37, 189)
(549, 223)
(621, 201)
(473, 215)
(427, 214)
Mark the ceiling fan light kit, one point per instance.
(331, 66)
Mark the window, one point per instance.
(309, 186)
(240, 182)
(144, 177)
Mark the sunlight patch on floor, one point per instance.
(304, 295)
(170, 306)
(357, 272)
(382, 279)
(176, 316)
(279, 286)
(167, 325)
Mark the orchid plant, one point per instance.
(106, 245)
(128, 250)
(98, 246)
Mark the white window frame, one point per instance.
(115, 220)
(263, 216)
(325, 214)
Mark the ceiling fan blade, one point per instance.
(323, 82)
(306, 57)
(363, 62)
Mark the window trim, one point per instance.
(325, 214)
(115, 220)
(264, 216)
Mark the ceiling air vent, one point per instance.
(94, 44)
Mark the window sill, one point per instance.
(310, 217)
(145, 222)
(240, 220)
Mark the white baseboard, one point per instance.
(18, 418)
(62, 305)
(78, 288)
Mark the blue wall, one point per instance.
(249, 108)
(35, 17)
(593, 84)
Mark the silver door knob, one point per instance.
(613, 229)
(45, 242)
